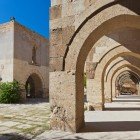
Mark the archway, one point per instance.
(33, 86)
(127, 83)
(118, 71)
(72, 102)
(115, 65)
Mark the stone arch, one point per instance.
(130, 78)
(84, 50)
(98, 81)
(34, 86)
(92, 37)
(113, 64)
(122, 76)
(129, 58)
(30, 73)
(118, 71)
(94, 18)
(89, 34)
(107, 89)
(113, 58)
(109, 43)
(92, 11)
(80, 53)
(107, 83)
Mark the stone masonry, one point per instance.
(16, 55)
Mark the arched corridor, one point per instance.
(103, 42)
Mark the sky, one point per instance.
(33, 14)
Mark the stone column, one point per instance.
(107, 92)
(138, 87)
(23, 96)
(67, 104)
(94, 95)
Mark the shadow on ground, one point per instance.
(76, 138)
(36, 100)
(13, 136)
(111, 126)
(121, 109)
(130, 100)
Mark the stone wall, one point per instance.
(62, 116)
(24, 41)
(16, 54)
(66, 16)
(6, 51)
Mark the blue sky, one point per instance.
(34, 14)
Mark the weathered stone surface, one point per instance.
(56, 12)
(56, 2)
(96, 25)
(56, 64)
(88, 3)
(62, 115)
(67, 34)
(24, 121)
(56, 36)
(16, 58)
(57, 54)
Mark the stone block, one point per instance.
(68, 21)
(55, 12)
(67, 34)
(57, 50)
(90, 69)
(88, 3)
(56, 64)
(56, 23)
(72, 7)
(56, 2)
(56, 36)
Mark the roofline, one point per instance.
(14, 21)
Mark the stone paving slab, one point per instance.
(31, 122)
(3, 128)
(24, 126)
(59, 135)
(23, 121)
(9, 123)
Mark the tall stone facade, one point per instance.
(23, 53)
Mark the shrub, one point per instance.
(9, 92)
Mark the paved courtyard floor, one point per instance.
(23, 121)
(119, 121)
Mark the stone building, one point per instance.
(24, 57)
(101, 37)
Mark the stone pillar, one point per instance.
(90, 67)
(23, 95)
(107, 92)
(115, 91)
(94, 95)
(138, 87)
(67, 105)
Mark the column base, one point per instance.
(23, 97)
(108, 100)
(95, 107)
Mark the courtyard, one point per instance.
(119, 120)
(86, 64)
(23, 121)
